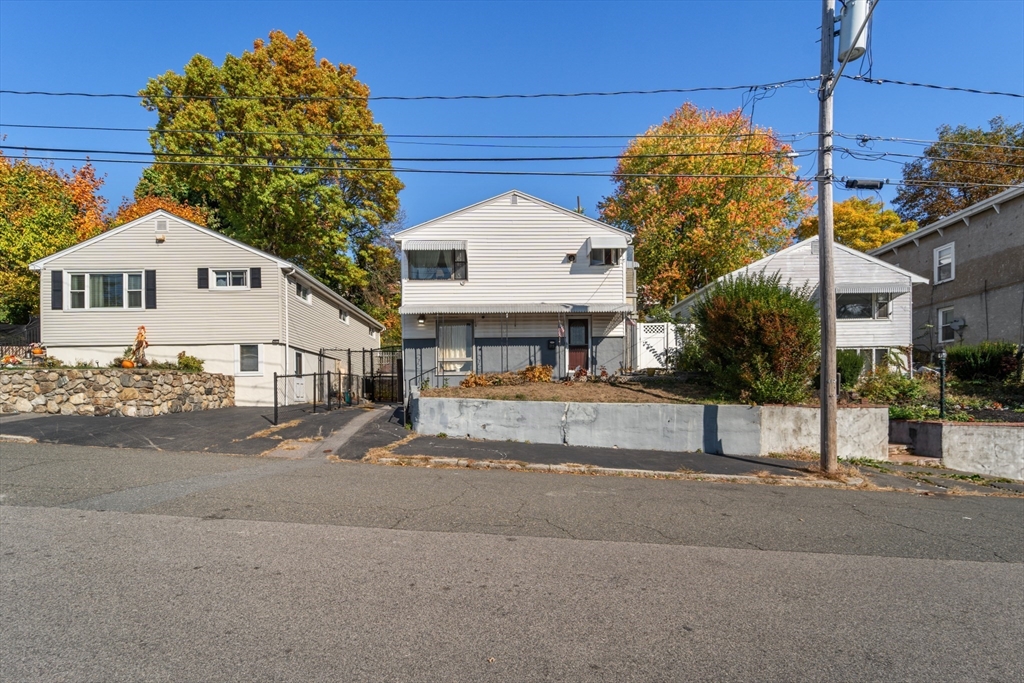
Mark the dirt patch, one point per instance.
(667, 391)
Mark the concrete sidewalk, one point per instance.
(241, 431)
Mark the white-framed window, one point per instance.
(863, 306)
(374, 334)
(344, 316)
(946, 331)
(249, 360)
(604, 257)
(945, 263)
(454, 347)
(303, 292)
(437, 264)
(105, 290)
(230, 279)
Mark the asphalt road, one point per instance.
(214, 567)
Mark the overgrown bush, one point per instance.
(885, 386)
(188, 363)
(532, 373)
(989, 359)
(850, 364)
(758, 338)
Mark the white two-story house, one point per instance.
(242, 311)
(873, 298)
(510, 282)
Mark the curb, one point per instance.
(17, 438)
(430, 461)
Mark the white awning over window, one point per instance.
(872, 287)
(606, 241)
(433, 245)
(472, 309)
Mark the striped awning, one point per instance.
(433, 245)
(873, 287)
(475, 309)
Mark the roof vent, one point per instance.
(161, 226)
(814, 247)
(515, 199)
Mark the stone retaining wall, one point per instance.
(719, 429)
(136, 392)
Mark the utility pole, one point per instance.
(827, 281)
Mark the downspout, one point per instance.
(287, 334)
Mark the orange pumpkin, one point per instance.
(127, 363)
(38, 351)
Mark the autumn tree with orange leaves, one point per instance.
(704, 193)
(131, 209)
(42, 210)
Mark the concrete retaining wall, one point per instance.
(720, 429)
(135, 392)
(987, 448)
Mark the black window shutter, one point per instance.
(150, 289)
(203, 278)
(255, 278)
(57, 289)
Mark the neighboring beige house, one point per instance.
(514, 281)
(975, 260)
(873, 298)
(242, 311)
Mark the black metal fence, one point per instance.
(370, 374)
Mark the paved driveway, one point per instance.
(244, 431)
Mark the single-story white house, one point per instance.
(242, 311)
(873, 298)
(514, 281)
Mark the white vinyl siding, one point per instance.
(184, 314)
(517, 252)
(316, 324)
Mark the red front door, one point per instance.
(579, 345)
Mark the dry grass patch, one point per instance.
(661, 391)
(842, 473)
(264, 433)
(375, 454)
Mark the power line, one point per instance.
(419, 98)
(277, 158)
(165, 131)
(595, 174)
(889, 81)
(583, 174)
(880, 156)
(871, 138)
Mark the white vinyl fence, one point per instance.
(655, 343)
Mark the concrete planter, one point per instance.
(989, 448)
(720, 429)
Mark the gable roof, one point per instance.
(948, 221)
(629, 236)
(280, 263)
(761, 264)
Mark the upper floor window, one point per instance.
(437, 264)
(230, 279)
(945, 263)
(863, 306)
(604, 257)
(105, 290)
(344, 317)
(302, 291)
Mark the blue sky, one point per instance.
(448, 48)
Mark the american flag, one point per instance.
(561, 330)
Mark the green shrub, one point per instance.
(885, 386)
(189, 363)
(850, 364)
(989, 359)
(758, 338)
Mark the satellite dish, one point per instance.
(958, 324)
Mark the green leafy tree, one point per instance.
(941, 183)
(861, 224)
(281, 149)
(42, 210)
(691, 230)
